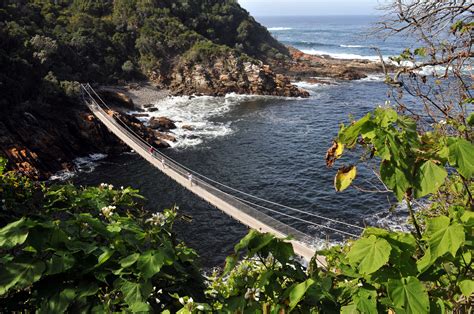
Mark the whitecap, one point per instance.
(279, 28)
(373, 78)
(195, 116)
(340, 55)
(352, 46)
(85, 164)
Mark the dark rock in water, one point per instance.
(154, 109)
(165, 136)
(140, 115)
(161, 123)
(351, 74)
(187, 127)
(148, 106)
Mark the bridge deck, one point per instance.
(238, 210)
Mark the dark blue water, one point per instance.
(272, 148)
(339, 36)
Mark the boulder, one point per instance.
(161, 123)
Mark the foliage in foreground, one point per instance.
(93, 249)
(64, 248)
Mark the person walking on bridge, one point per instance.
(190, 178)
(151, 151)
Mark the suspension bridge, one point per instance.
(241, 206)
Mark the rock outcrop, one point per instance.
(306, 67)
(231, 74)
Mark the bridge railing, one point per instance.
(91, 100)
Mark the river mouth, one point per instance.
(274, 150)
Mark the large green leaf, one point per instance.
(369, 254)
(461, 156)
(395, 178)
(59, 303)
(298, 292)
(13, 234)
(408, 295)
(444, 236)
(366, 301)
(467, 287)
(429, 178)
(135, 292)
(20, 274)
(349, 135)
(131, 292)
(129, 260)
(150, 263)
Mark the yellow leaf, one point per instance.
(334, 153)
(344, 177)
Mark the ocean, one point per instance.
(342, 37)
(270, 147)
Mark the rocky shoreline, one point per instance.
(40, 143)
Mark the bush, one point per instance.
(93, 249)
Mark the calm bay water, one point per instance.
(272, 148)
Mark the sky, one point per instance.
(310, 7)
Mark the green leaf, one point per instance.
(13, 234)
(349, 135)
(385, 116)
(344, 178)
(369, 254)
(132, 292)
(467, 287)
(298, 292)
(444, 236)
(395, 178)
(408, 295)
(59, 263)
(59, 303)
(129, 260)
(429, 177)
(150, 263)
(366, 301)
(20, 274)
(461, 156)
(140, 307)
(105, 256)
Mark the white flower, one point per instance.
(121, 187)
(360, 284)
(107, 211)
(157, 300)
(111, 187)
(252, 294)
(200, 307)
(181, 300)
(443, 122)
(157, 219)
(190, 301)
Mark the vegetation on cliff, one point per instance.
(47, 46)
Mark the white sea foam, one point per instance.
(85, 164)
(340, 55)
(279, 28)
(393, 220)
(352, 46)
(198, 115)
(374, 78)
